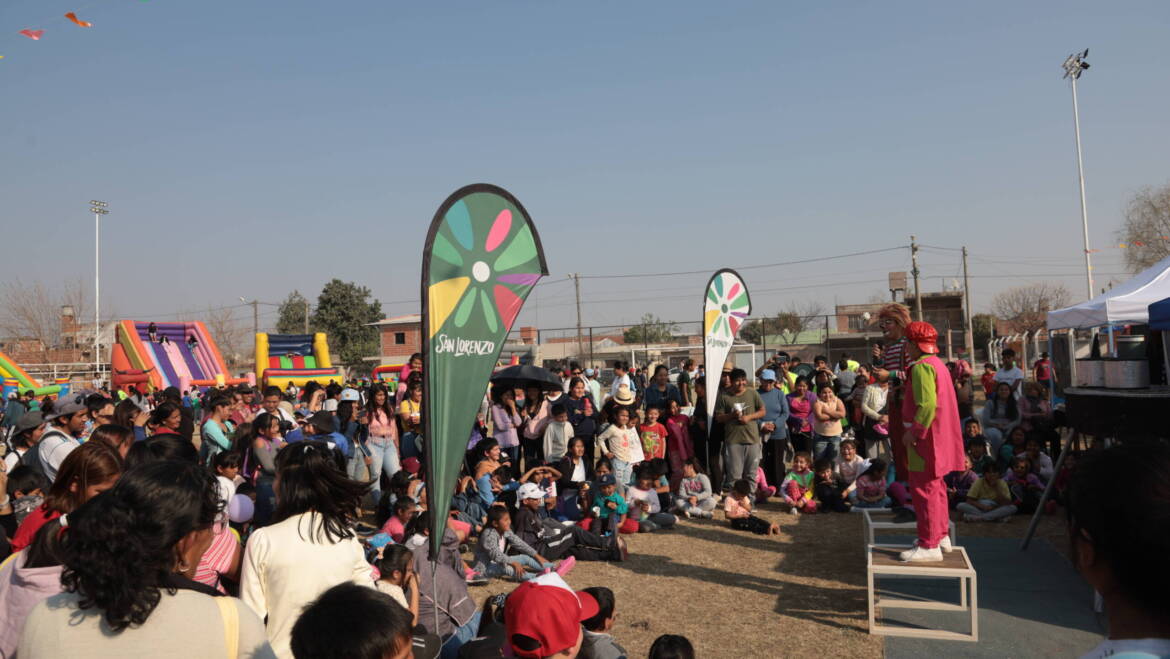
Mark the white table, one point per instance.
(883, 560)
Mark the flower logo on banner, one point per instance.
(726, 306)
(485, 233)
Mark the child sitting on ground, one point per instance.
(1013, 446)
(597, 642)
(491, 554)
(871, 487)
(849, 465)
(798, 485)
(737, 508)
(661, 469)
(671, 646)
(395, 527)
(653, 434)
(610, 512)
(695, 498)
(395, 564)
(977, 452)
(973, 431)
(829, 488)
(642, 502)
(959, 483)
(763, 490)
(988, 499)
(1025, 486)
(1041, 463)
(557, 434)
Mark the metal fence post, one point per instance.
(591, 363)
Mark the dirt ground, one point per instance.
(737, 595)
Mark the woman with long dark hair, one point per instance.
(1000, 416)
(582, 414)
(506, 420)
(260, 460)
(166, 419)
(382, 427)
(128, 557)
(311, 545)
(87, 471)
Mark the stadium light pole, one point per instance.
(98, 208)
(1074, 66)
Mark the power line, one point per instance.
(748, 267)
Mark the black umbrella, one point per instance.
(522, 376)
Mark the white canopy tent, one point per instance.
(1127, 303)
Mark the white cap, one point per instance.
(528, 491)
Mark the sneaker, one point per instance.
(623, 548)
(706, 514)
(944, 544)
(687, 513)
(921, 555)
(968, 517)
(566, 565)
(795, 511)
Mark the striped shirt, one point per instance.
(217, 559)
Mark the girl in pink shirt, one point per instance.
(737, 508)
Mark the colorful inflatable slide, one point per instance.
(137, 360)
(16, 378)
(295, 358)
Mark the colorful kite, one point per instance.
(725, 307)
(481, 259)
(73, 17)
(35, 35)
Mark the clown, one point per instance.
(933, 440)
(895, 359)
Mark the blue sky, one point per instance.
(247, 149)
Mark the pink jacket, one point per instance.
(931, 413)
(21, 589)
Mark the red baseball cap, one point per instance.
(923, 335)
(543, 616)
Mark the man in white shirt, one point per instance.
(1010, 373)
(66, 424)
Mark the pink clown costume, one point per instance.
(930, 413)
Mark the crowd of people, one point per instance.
(141, 520)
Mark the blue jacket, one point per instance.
(775, 411)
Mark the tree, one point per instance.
(798, 318)
(344, 312)
(229, 334)
(291, 317)
(753, 331)
(1146, 231)
(982, 325)
(650, 330)
(1025, 308)
(32, 311)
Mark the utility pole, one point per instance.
(914, 271)
(1073, 67)
(576, 277)
(255, 314)
(306, 316)
(969, 339)
(98, 208)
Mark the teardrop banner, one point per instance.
(482, 258)
(726, 306)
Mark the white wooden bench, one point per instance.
(882, 560)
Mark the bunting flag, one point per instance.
(73, 17)
(726, 306)
(481, 259)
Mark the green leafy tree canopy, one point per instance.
(650, 329)
(344, 312)
(291, 314)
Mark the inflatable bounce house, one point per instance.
(16, 379)
(389, 375)
(179, 355)
(295, 358)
